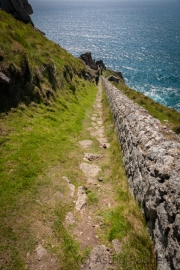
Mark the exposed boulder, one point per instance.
(113, 79)
(93, 64)
(87, 59)
(100, 67)
(4, 78)
(100, 64)
(24, 85)
(119, 74)
(20, 9)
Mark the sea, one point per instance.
(139, 38)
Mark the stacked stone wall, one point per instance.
(151, 155)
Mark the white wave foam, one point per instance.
(129, 68)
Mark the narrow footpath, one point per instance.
(95, 196)
(98, 225)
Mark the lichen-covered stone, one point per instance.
(152, 163)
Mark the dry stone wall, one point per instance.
(152, 163)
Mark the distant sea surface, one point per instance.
(140, 39)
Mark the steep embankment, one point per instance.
(32, 68)
(36, 143)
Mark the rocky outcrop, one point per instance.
(25, 85)
(100, 64)
(119, 74)
(151, 156)
(93, 64)
(20, 9)
(4, 78)
(112, 78)
(87, 59)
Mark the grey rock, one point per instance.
(91, 157)
(41, 252)
(59, 194)
(70, 218)
(116, 245)
(81, 200)
(90, 170)
(20, 9)
(4, 78)
(113, 79)
(100, 258)
(87, 59)
(152, 164)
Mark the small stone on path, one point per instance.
(91, 157)
(59, 194)
(116, 245)
(92, 181)
(41, 252)
(85, 143)
(71, 186)
(81, 201)
(70, 219)
(100, 258)
(90, 170)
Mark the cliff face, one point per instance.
(20, 9)
(23, 85)
(151, 156)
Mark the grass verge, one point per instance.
(168, 116)
(37, 143)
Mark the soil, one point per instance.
(84, 219)
(89, 225)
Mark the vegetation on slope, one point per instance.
(39, 145)
(37, 67)
(168, 116)
(36, 143)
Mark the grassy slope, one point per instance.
(167, 116)
(40, 67)
(36, 145)
(35, 153)
(18, 39)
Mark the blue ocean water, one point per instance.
(140, 39)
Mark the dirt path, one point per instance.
(95, 196)
(89, 194)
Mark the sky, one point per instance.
(31, 1)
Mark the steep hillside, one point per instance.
(32, 68)
(43, 101)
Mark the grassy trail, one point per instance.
(40, 176)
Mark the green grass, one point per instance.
(168, 116)
(36, 147)
(39, 69)
(18, 39)
(39, 145)
(92, 197)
